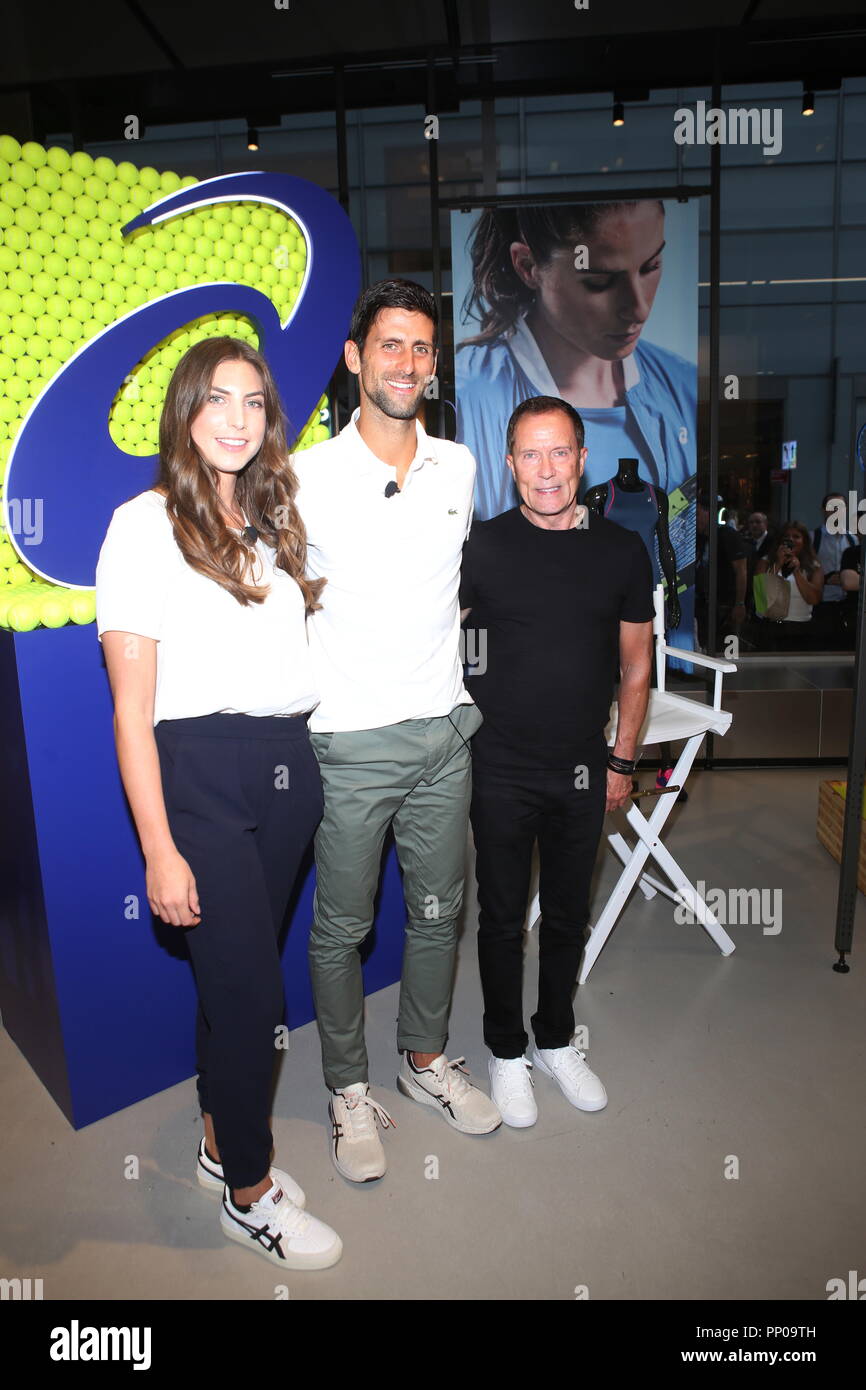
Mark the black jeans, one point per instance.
(511, 807)
(243, 797)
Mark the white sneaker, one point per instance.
(580, 1086)
(511, 1090)
(355, 1144)
(442, 1085)
(212, 1179)
(280, 1231)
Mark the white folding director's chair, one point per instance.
(669, 718)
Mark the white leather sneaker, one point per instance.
(511, 1090)
(282, 1232)
(355, 1144)
(580, 1086)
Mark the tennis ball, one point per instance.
(12, 193)
(104, 312)
(71, 182)
(149, 179)
(102, 272)
(78, 268)
(37, 200)
(135, 296)
(28, 367)
(114, 293)
(154, 257)
(79, 309)
(8, 556)
(8, 258)
(111, 252)
(260, 218)
(14, 345)
(18, 574)
(7, 369)
(127, 173)
(22, 173)
(244, 254)
(19, 282)
(91, 290)
(240, 215)
(23, 614)
(10, 150)
(48, 178)
(116, 192)
(54, 608)
(82, 163)
(16, 239)
(195, 264)
(135, 253)
(7, 215)
(145, 277)
(86, 207)
(106, 210)
(31, 261)
(62, 203)
(47, 327)
(232, 233)
(23, 325)
(104, 168)
(166, 280)
(170, 182)
(57, 158)
(233, 269)
(67, 287)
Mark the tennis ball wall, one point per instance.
(66, 273)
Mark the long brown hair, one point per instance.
(265, 488)
(807, 557)
(497, 296)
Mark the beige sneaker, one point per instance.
(355, 1144)
(442, 1084)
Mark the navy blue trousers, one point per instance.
(243, 797)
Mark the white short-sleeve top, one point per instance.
(213, 655)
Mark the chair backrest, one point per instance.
(659, 634)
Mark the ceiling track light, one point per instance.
(618, 113)
(808, 102)
(252, 138)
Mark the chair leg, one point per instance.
(621, 847)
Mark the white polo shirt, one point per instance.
(386, 642)
(213, 655)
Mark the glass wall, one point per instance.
(792, 350)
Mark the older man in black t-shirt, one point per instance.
(558, 598)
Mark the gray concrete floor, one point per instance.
(758, 1058)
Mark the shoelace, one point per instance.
(511, 1080)
(360, 1119)
(283, 1213)
(451, 1077)
(564, 1061)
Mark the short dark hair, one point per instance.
(391, 294)
(828, 495)
(542, 405)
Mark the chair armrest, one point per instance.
(713, 662)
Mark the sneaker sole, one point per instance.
(321, 1260)
(415, 1092)
(587, 1109)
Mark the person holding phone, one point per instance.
(201, 604)
(796, 562)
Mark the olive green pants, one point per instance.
(416, 776)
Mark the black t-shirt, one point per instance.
(546, 608)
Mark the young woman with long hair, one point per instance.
(562, 295)
(201, 600)
(795, 561)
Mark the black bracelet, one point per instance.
(624, 766)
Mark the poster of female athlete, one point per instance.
(596, 303)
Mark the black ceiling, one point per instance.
(84, 68)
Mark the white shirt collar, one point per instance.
(425, 451)
(528, 354)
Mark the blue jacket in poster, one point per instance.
(493, 378)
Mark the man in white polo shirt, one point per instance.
(387, 509)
